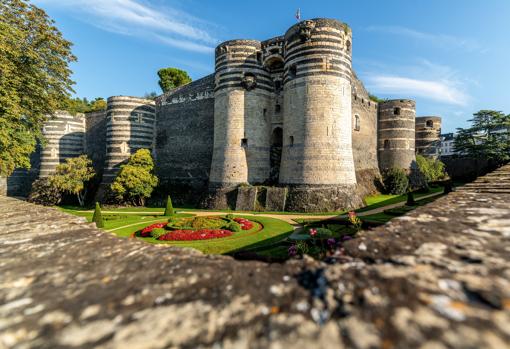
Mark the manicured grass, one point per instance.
(382, 200)
(266, 231)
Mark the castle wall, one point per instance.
(184, 137)
(396, 134)
(364, 139)
(428, 135)
(243, 95)
(65, 137)
(130, 124)
(95, 140)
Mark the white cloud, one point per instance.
(443, 91)
(137, 18)
(443, 40)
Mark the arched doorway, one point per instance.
(276, 154)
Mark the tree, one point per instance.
(135, 181)
(488, 137)
(395, 181)
(34, 79)
(98, 217)
(169, 209)
(170, 78)
(432, 169)
(152, 95)
(72, 175)
(78, 105)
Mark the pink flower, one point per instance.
(352, 214)
(313, 232)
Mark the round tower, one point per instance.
(396, 134)
(428, 135)
(242, 124)
(65, 136)
(130, 125)
(317, 141)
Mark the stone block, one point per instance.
(246, 198)
(276, 198)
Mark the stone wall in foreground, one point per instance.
(436, 278)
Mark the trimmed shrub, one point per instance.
(98, 217)
(169, 209)
(44, 193)
(410, 199)
(157, 232)
(233, 227)
(395, 181)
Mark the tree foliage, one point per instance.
(170, 78)
(488, 137)
(135, 181)
(395, 181)
(432, 169)
(44, 193)
(34, 79)
(72, 176)
(78, 105)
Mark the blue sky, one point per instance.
(452, 56)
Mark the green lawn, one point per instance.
(124, 226)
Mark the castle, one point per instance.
(288, 113)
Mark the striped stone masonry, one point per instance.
(428, 135)
(317, 125)
(130, 125)
(243, 96)
(396, 133)
(65, 137)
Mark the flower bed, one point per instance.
(244, 223)
(201, 234)
(146, 232)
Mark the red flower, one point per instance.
(145, 232)
(244, 223)
(201, 234)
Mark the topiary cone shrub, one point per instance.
(410, 199)
(98, 217)
(169, 209)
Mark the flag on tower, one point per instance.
(298, 14)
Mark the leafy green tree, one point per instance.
(152, 95)
(98, 217)
(432, 169)
(44, 193)
(488, 137)
(170, 78)
(34, 79)
(169, 209)
(135, 181)
(78, 105)
(395, 181)
(72, 176)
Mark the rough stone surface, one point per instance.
(276, 199)
(436, 278)
(246, 199)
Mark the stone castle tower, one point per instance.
(428, 135)
(287, 113)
